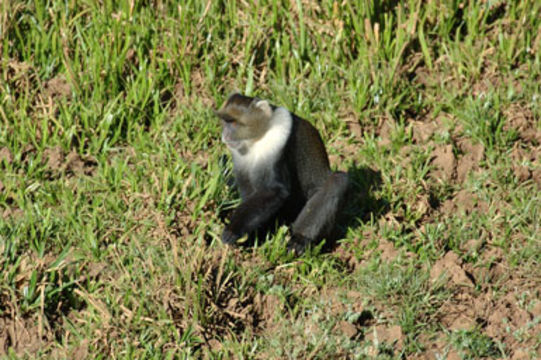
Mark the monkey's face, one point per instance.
(244, 121)
(233, 134)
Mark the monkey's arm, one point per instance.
(254, 212)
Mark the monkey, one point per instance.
(281, 170)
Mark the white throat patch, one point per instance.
(267, 150)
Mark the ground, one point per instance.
(114, 183)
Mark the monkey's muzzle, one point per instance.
(232, 144)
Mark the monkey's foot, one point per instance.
(229, 238)
(298, 244)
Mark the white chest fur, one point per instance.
(263, 154)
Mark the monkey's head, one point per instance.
(244, 121)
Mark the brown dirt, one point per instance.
(267, 306)
(347, 329)
(450, 266)
(387, 250)
(5, 156)
(499, 316)
(12, 212)
(473, 154)
(54, 158)
(23, 336)
(385, 131)
(56, 88)
(526, 162)
(78, 165)
(423, 131)
(463, 201)
(444, 162)
(355, 128)
(511, 315)
(391, 335)
(521, 119)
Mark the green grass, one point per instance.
(112, 179)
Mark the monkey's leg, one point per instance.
(317, 218)
(252, 213)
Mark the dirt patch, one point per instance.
(387, 250)
(521, 172)
(56, 88)
(450, 266)
(338, 303)
(385, 132)
(344, 150)
(424, 131)
(184, 220)
(521, 119)
(53, 158)
(507, 318)
(390, 335)
(5, 156)
(355, 128)
(502, 317)
(523, 162)
(347, 329)
(12, 213)
(80, 352)
(349, 261)
(267, 306)
(444, 163)
(78, 165)
(463, 201)
(473, 155)
(23, 336)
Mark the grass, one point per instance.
(112, 179)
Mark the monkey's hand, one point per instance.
(229, 237)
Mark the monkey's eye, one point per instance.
(228, 119)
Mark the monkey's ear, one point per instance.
(233, 93)
(264, 106)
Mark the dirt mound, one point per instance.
(23, 336)
(520, 118)
(56, 88)
(57, 163)
(444, 162)
(470, 161)
(463, 201)
(390, 335)
(5, 156)
(475, 307)
(450, 266)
